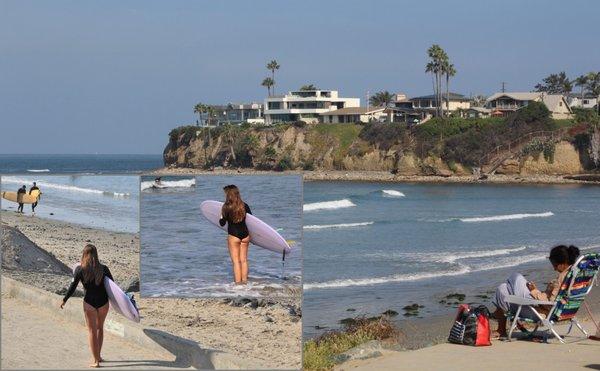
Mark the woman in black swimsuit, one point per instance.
(234, 214)
(95, 302)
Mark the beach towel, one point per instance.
(471, 326)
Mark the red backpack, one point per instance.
(471, 326)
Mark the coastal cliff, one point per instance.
(442, 148)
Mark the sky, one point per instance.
(117, 76)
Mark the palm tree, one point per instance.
(308, 87)
(272, 66)
(199, 110)
(449, 71)
(438, 58)
(268, 83)
(581, 81)
(381, 99)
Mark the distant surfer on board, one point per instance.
(22, 191)
(234, 214)
(95, 302)
(35, 190)
(158, 181)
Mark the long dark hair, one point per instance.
(92, 270)
(233, 208)
(563, 254)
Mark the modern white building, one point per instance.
(305, 105)
(354, 115)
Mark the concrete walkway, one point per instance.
(58, 344)
(577, 354)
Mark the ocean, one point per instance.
(183, 255)
(70, 164)
(370, 247)
(106, 202)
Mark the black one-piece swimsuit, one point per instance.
(240, 229)
(95, 295)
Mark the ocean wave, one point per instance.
(343, 225)
(392, 193)
(38, 170)
(497, 218)
(460, 270)
(451, 258)
(184, 183)
(64, 187)
(328, 205)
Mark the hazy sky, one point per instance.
(117, 76)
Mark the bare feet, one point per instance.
(95, 365)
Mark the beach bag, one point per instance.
(471, 326)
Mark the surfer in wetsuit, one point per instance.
(234, 214)
(22, 191)
(34, 188)
(95, 302)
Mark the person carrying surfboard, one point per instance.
(22, 191)
(95, 302)
(37, 191)
(238, 239)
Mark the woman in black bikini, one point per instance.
(234, 214)
(95, 302)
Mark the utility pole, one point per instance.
(503, 86)
(368, 93)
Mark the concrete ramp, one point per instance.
(32, 317)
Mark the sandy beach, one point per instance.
(270, 334)
(577, 354)
(382, 176)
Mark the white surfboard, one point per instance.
(119, 301)
(261, 234)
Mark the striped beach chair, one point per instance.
(575, 287)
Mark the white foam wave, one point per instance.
(393, 193)
(497, 218)
(343, 225)
(388, 279)
(184, 183)
(64, 187)
(451, 258)
(38, 170)
(328, 205)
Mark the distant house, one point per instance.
(502, 104)
(354, 114)
(244, 112)
(305, 105)
(477, 112)
(428, 102)
(588, 101)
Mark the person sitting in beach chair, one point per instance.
(521, 301)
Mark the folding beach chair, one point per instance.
(577, 284)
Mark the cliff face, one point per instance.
(336, 147)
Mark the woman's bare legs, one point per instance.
(91, 319)
(102, 312)
(234, 252)
(244, 258)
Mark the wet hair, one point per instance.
(92, 270)
(233, 208)
(563, 254)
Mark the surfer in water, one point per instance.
(95, 302)
(35, 188)
(234, 214)
(22, 191)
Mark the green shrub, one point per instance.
(320, 354)
(384, 135)
(285, 163)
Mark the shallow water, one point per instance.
(377, 246)
(184, 255)
(107, 202)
